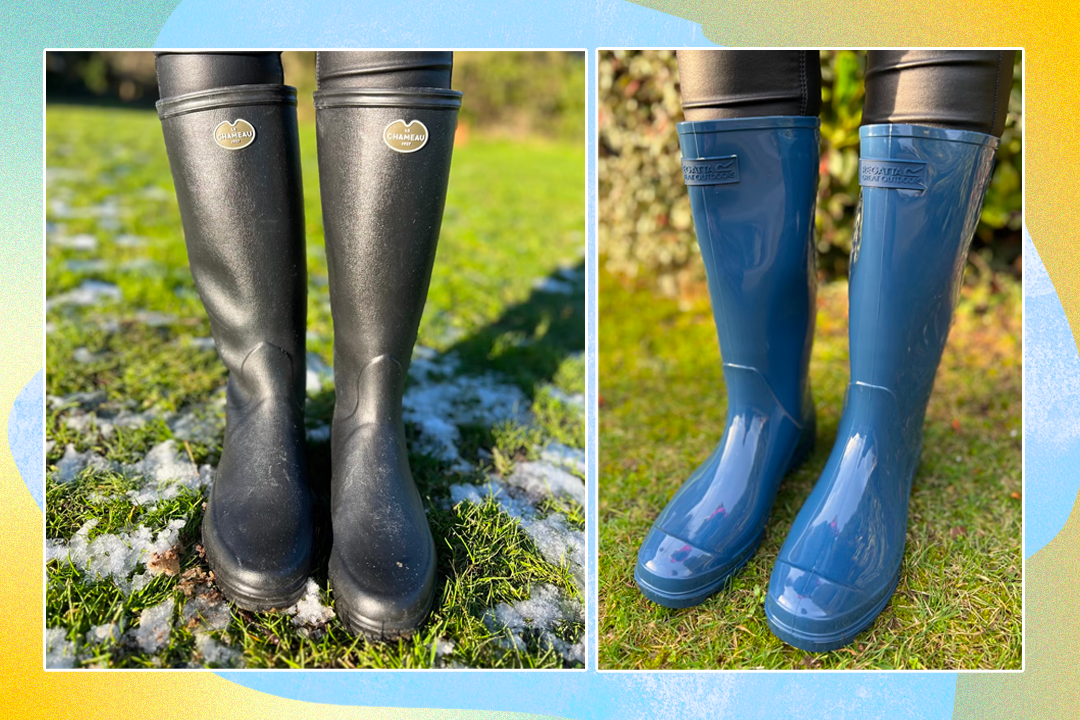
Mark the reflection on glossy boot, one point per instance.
(752, 185)
(922, 191)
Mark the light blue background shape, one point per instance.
(475, 24)
(1051, 407)
(1050, 487)
(26, 428)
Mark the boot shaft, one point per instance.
(753, 189)
(922, 193)
(384, 165)
(235, 159)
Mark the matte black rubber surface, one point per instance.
(384, 163)
(235, 160)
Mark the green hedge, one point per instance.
(645, 224)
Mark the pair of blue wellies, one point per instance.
(753, 185)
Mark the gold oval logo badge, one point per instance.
(234, 135)
(405, 138)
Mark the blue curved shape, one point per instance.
(1051, 407)
(26, 428)
(631, 696)
(426, 23)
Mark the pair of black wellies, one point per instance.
(385, 126)
(932, 120)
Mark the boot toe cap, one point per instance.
(383, 597)
(255, 571)
(676, 574)
(808, 610)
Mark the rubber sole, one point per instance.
(827, 642)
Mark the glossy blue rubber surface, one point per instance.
(921, 198)
(752, 185)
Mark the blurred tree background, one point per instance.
(646, 229)
(541, 94)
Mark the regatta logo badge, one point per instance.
(713, 171)
(234, 135)
(405, 138)
(892, 174)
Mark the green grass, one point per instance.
(515, 213)
(662, 411)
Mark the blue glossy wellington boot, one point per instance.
(922, 191)
(753, 185)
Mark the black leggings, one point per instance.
(959, 89)
(184, 72)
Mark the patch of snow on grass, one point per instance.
(559, 544)
(154, 319)
(109, 632)
(565, 457)
(89, 293)
(557, 541)
(90, 399)
(207, 611)
(540, 615)
(83, 356)
(310, 610)
(496, 489)
(130, 241)
(168, 472)
(83, 242)
(59, 651)
(200, 424)
(540, 479)
(575, 400)
(438, 404)
(155, 627)
(74, 462)
(87, 266)
(216, 653)
(115, 556)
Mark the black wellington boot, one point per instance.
(385, 123)
(235, 159)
